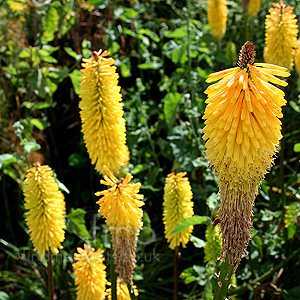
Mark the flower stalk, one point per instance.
(223, 280)
(176, 273)
(50, 277)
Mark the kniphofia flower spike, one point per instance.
(90, 275)
(45, 207)
(217, 18)
(178, 205)
(254, 8)
(242, 131)
(120, 206)
(101, 112)
(281, 35)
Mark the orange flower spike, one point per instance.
(242, 131)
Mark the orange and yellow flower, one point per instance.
(178, 205)
(120, 206)
(242, 131)
(281, 35)
(90, 275)
(45, 207)
(101, 112)
(217, 18)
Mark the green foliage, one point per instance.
(164, 52)
(76, 224)
(185, 223)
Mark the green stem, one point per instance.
(251, 29)
(218, 43)
(113, 277)
(223, 280)
(281, 174)
(8, 214)
(190, 84)
(176, 263)
(189, 70)
(50, 276)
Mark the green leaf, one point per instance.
(292, 294)
(62, 187)
(38, 83)
(294, 106)
(198, 243)
(171, 102)
(4, 296)
(6, 159)
(153, 65)
(140, 168)
(51, 21)
(75, 78)
(213, 202)
(126, 14)
(185, 223)
(29, 146)
(188, 275)
(76, 223)
(39, 105)
(176, 52)
(40, 123)
(297, 147)
(71, 52)
(177, 33)
(25, 53)
(114, 48)
(149, 33)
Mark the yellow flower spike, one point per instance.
(120, 206)
(281, 35)
(213, 246)
(177, 206)
(242, 131)
(122, 291)
(101, 112)
(217, 18)
(254, 8)
(45, 207)
(90, 275)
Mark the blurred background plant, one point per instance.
(164, 52)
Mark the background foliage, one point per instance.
(164, 53)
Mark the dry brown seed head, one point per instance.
(247, 55)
